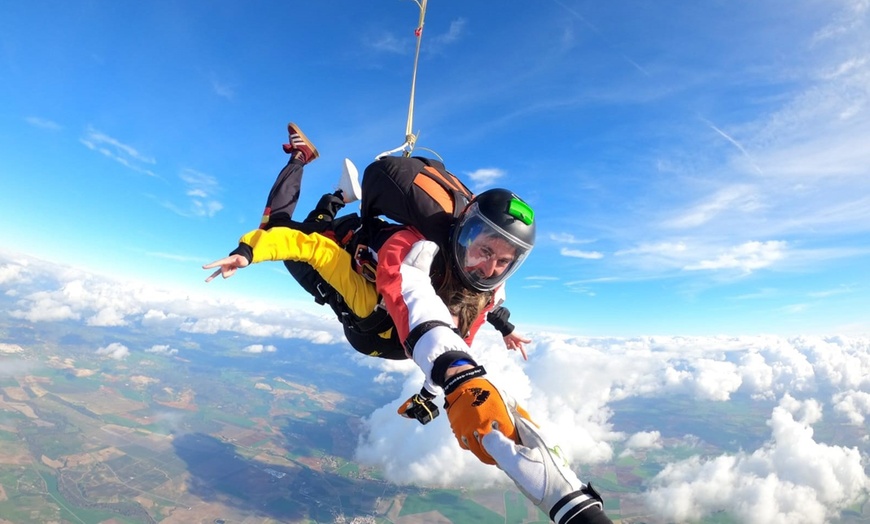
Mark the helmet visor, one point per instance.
(485, 254)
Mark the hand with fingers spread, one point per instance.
(500, 320)
(517, 342)
(226, 266)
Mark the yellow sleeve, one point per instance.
(326, 257)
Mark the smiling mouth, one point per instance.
(477, 273)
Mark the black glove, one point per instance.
(498, 317)
(420, 407)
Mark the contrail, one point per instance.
(601, 35)
(736, 144)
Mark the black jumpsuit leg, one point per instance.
(284, 195)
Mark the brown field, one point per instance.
(14, 455)
(82, 459)
(24, 409)
(183, 400)
(104, 401)
(16, 393)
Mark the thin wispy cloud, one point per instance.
(222, 89)
(43, 123)
(594, 28)
(387, 42)
(174, 257)
(660, 248)
(793, 309)
(745, 258)
(735, 198)
(842, 290)
(436, 43)
(576, 253)
(200, 189)
(736, 144)
(568, 238)
(118, 151)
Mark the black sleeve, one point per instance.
(245, 250)
(498, 317)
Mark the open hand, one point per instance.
(516, 342)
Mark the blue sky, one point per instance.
(695, 170)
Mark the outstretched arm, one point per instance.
(562, 496)
(328, 258)
(475, 407)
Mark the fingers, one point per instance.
(515, 342)
(216, 263)
(227, 266)
(225, 270)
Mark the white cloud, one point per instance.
(567, 238)
(175, 257)
(162, 349)
(746, 257)
(14, 273)
(484, 177)
(115, 350)
(10, 272)
(122, 153)
(98, 301)
(666, 248)
(42, 306)
(389, 43)
(576, 253)
(260, 348)
(742, 198)
(222, 89)
(644, 440)
(10, 348)
(791, 479)
(569, 383)
(571, 386)
(454, 33)
(715, 380)
(855, 405)
(43, 123)
(15, 367)
(107, 316)
(200, 190)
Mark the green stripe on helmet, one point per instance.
(521, 211)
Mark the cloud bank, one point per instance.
(574, 387)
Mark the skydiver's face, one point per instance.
(489, 256)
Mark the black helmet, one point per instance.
(492, 238)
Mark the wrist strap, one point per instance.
(460, 378)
